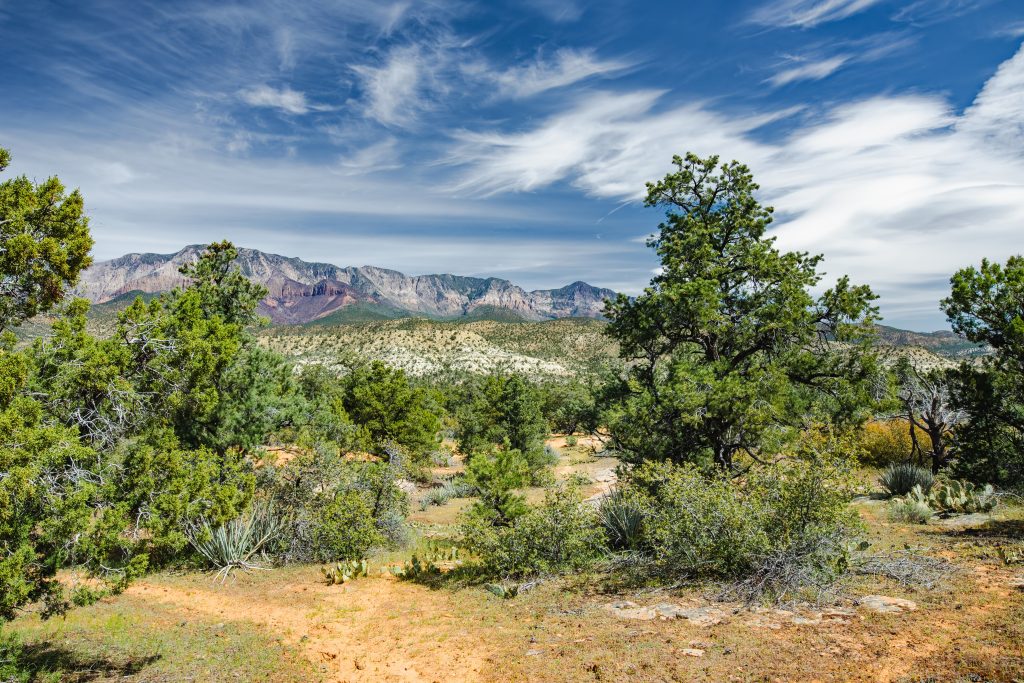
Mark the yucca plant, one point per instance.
(436, 496)
(899, 478)
(235, 544)
(622, 518)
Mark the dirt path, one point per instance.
(374, 629)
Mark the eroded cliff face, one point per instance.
(299, 291)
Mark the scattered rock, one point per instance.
(813, 620)
(691, 652)
(534, 653)
(963, 521)
(886, 604)
(764, 622)
(630, 610)
(1017, 582)
(699, 616)
(406, 486)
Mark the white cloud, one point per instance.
(809, 71)
(824, 59)
(998, 112)
(898, 191)
(285, 99)
(378, 156)
(924, 12)
(392, 90)
(567, 66)
(807, 13)
(1015, 30)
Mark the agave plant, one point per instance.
(899, 478)
(235, 544)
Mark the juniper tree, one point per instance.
(986, 305)
(728, 350)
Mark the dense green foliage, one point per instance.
(45, 238)
(503, 410)
(45, 494)
(985, 305)
(729, 352)
(789, 517)
(332, 508)
(390, 409)
(560, 535)
(496, 476)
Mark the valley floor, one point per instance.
(287, 624)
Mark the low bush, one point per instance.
(898, 479)
(911, 510)
(496, 476)
(343, 528)
(334, 509)
(780, 529)
(560, 535)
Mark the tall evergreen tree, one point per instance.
(728, 350)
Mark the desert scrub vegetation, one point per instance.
(559, 535)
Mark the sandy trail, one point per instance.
(373, 629)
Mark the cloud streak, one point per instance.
(896, 190)
(566, 67)
(807, 13)
(284, 99)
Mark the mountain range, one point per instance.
(303, 292)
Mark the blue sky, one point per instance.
(513, 138)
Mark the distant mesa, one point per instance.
(301, 292)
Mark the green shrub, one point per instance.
(334, 509)
(496, 476)
(560, 535)
(571, 440)
(910, 509)
(439, 495)
(781, 528)
(899, 478)
(343, 528)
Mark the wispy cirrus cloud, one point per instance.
(821, 61)
(807, 13)
(809, 70)
(924, 12)
(559, 11)
(284, 99)
(898, 190)
(565, 67)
